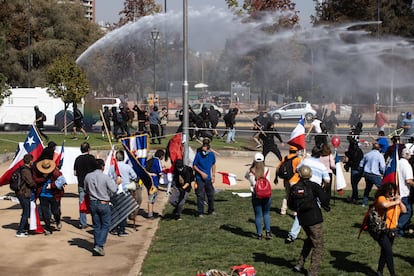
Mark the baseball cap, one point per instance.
(258, 157)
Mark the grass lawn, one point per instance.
(228, 238)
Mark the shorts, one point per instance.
(152, 198)
(78, 124)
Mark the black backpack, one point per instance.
(16, 182)
(285, 170)
(43, 117)
(301, 198)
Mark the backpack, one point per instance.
(149, 164)
(43, 117)
(374, 223)
(301, 198)
(285, 170)
(16, 182)
(262, 188)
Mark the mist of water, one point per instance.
(340, 60)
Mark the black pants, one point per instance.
(155, 132)
(50, 204)
(272, 148)
(387, 256)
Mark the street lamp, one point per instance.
(155, 35)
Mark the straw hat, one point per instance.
(46, 166)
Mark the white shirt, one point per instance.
(317, 125)
(319, 171)
(404, 172)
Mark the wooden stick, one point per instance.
(106, 128)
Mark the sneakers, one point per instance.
(200, 216)
(123, 234)
(47, 232)
(22, 235)
(268, 235)
(87, 138)
(98, 251)
(258, 146)
(82, 226)
(283, 212)
(59, 226)
(289, 239)
(259, 237)
(298, 268)
(75, 138)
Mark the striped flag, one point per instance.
(297, 137)
(33, 145)
(138, 145)
(390, 174)
(59, 157)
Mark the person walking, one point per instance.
(50, 189)
(310, 218)
(163, 121)
(107, 117)
(154, 167)
(230, 121)
(331, 123)
(24, 194)
(408, 125)
(213, 117)
(183, 177)
(78, 123)
(373, 166)
(380, 120)
(353, 157)
(390, 206)
(287, 183)
(261, 206)
(100, 188)
(142, 117)
(317, 127)
(127, 175)
(267, 136)
(84, 164)
(154, 120)
(204, 165)
(40, 117)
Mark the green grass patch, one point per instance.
(228, 238)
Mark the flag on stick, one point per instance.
(297, 137)
(339, 177)
(390, 174)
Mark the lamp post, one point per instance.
(155, 35)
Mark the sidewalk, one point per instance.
(68, 252)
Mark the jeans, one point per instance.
(82, 216)
(404, 217)
(261, 207)
(355, 178)
(50, 204)
(181, 202)
(295, 230)
(370, 180)
(387, 256)
(24, 224)
(204, 187)
(101, 217)
(230, 135)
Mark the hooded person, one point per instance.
(183, 177)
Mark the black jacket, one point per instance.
(313, 215)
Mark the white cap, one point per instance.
(258, 157)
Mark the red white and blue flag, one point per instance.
(390, 174)
(138, 145)
(33, 145)
(297, 137)
(58, 157)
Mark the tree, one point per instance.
(134, 9)
(57, 28)
(66, 80)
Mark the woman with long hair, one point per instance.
(389, 205)
(261, 206)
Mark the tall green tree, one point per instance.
(4, 88)
(56, 28)
(135, 9)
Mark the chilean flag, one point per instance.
(390, 174)
(228, 178)
(33, 145)
(297, 137)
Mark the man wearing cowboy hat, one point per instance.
(50, 183)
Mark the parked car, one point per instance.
(199, 106)
(293, 111)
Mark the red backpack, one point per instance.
(263, 188)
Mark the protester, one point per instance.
(154, 120)
(353, 157)
(213, 117)
(107, 117)
(163, 121)
(328, 159)
(183, 177)
(311, 220)
(408, 125)
(287, 183)
(373, 166)
(230, 121)
(396, 145)
(50, 189)
(24, 194)
(204, 165)
(331, 123)
(154, 167)
(354, 118)
(405, 182)
(267, 136)
(316, 127)
(40, 117)
(261, 206)
(100, 188)
(48, 152)
(259, 123)
(78, 123)
(141, 116)
(400, 120)
(130, 123)
(319, 175)
(388, 204)
(84, 164)
(382, 141)
(124, 119)
(127, 175)
(117, 122)
(380, 120)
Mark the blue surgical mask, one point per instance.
(204, 152)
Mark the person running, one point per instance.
(268, 136)
(78, 123)
(40, 117)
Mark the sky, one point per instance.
(107, 11)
